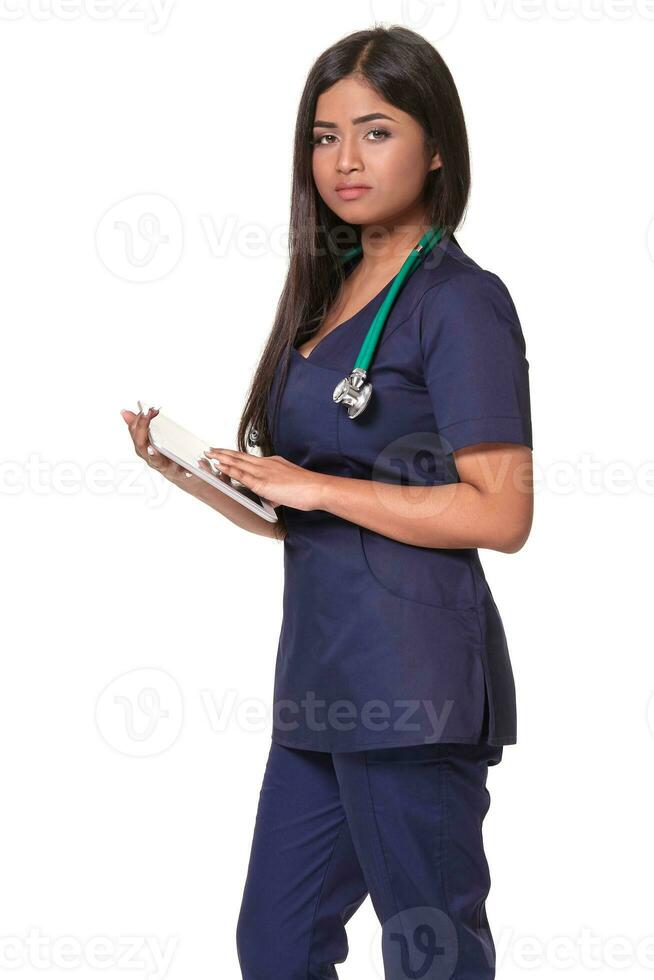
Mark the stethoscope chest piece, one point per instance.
(353, 392)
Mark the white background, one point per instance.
(130, 818)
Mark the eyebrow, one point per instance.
(355, 121)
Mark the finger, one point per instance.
(141, 428)
(236, 468)
(239, 473)
(231, 452)
(150, 415)
(206, 467)
(142, 419)
(155, 459)
(218, 451)
(147, 418)
(144, 447)
(234, 456)
(132, 419)
(134, 423)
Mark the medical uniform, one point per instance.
(393, 688)
(403, 825)
(384, 643)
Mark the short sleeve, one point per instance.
(474, 362)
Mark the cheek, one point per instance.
(320, 170)
(402, 173)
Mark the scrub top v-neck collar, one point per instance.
(378, 298)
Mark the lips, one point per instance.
(349, 192)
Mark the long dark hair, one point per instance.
(408, 73)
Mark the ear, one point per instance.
(436, 162)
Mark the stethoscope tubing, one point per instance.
(353, 390)
(367, 352)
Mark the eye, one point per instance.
(318, 139)
(381, 136)
(384, 133)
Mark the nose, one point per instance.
(348, 158)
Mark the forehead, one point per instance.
(352, 96)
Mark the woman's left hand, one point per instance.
(272, 477)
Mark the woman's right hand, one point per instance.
(138, 423)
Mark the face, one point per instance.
(359, 139)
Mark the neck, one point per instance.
(387, 245)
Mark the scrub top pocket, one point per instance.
(434, 576)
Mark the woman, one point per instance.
(393, 686)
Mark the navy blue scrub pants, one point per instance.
(403, 825)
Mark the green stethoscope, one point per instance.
(353, 390)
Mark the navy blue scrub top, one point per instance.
(384, 643)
